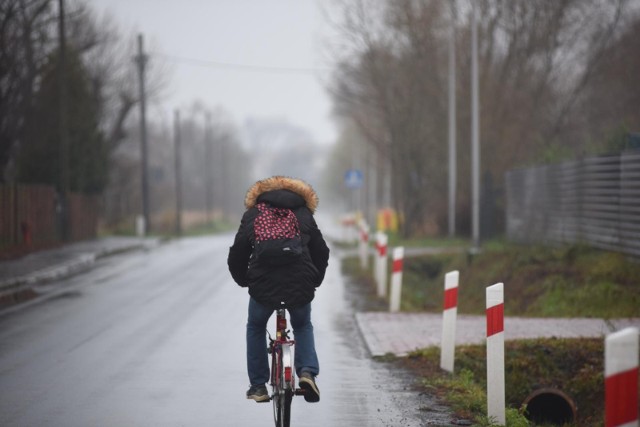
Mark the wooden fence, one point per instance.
(30, 217)
(595, 201)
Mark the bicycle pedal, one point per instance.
(299, 392)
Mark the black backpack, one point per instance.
(277, 235)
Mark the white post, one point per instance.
(495, 354)
(449, 314)
(452, 121)
(621, 378)
(475, 133)
(376, 262)
(381, 263)
(353, 231)
(140, 226)
(364, 244)
(396, 280)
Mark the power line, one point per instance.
(243, 67)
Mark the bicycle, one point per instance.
(283, 374)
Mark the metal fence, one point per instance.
(595, 201)
(30, 217)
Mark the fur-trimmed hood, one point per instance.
(295, 185)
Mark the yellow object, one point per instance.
(387, 220)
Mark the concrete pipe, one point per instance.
(550, 406)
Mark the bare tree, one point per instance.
(610, 107)
(25, 41)
(539, 61)
(398, 106)
(228, 166)
(28, 43)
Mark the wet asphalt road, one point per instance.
(157, 339)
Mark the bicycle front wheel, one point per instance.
(282, 386)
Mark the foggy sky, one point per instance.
(256, 38)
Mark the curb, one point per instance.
(19, 289)
(82, 262)
(401, 333)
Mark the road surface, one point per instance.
(157, 339)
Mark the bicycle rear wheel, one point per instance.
(282, 408)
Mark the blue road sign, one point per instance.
(353, 178)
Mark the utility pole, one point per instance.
(355, 206)
(366, 208)
(63, 128)
(374, 202)
(208, 166)
(141, 60)
(222, 177)
(178, 171)
(452, 121)
(475, 137)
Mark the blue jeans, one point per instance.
(306, 359)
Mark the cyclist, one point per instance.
(270, 285)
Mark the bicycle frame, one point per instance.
(283, 381)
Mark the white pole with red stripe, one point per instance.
(381, 263)
(396, 280)
(621, 378)
(449, 314)
(495, 354)
(364, 244)
(376, 261)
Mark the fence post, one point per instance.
(621, 378)
(495, 353)
(396, 280)
(449, 314)
(364, 244)
(381, 263)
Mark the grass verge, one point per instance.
(572, 281)
(574, 366)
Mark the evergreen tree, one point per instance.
(40, 155)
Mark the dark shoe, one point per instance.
(308, 384)
(258, 393)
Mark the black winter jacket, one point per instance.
(292, 284)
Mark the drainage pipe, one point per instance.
(550, 406)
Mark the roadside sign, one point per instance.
(353, 178)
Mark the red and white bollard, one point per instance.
(396, 280)
(495, 354)
(348, 225)
(381, 263)
(621, 378)
(363, 247)
(449, 315)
